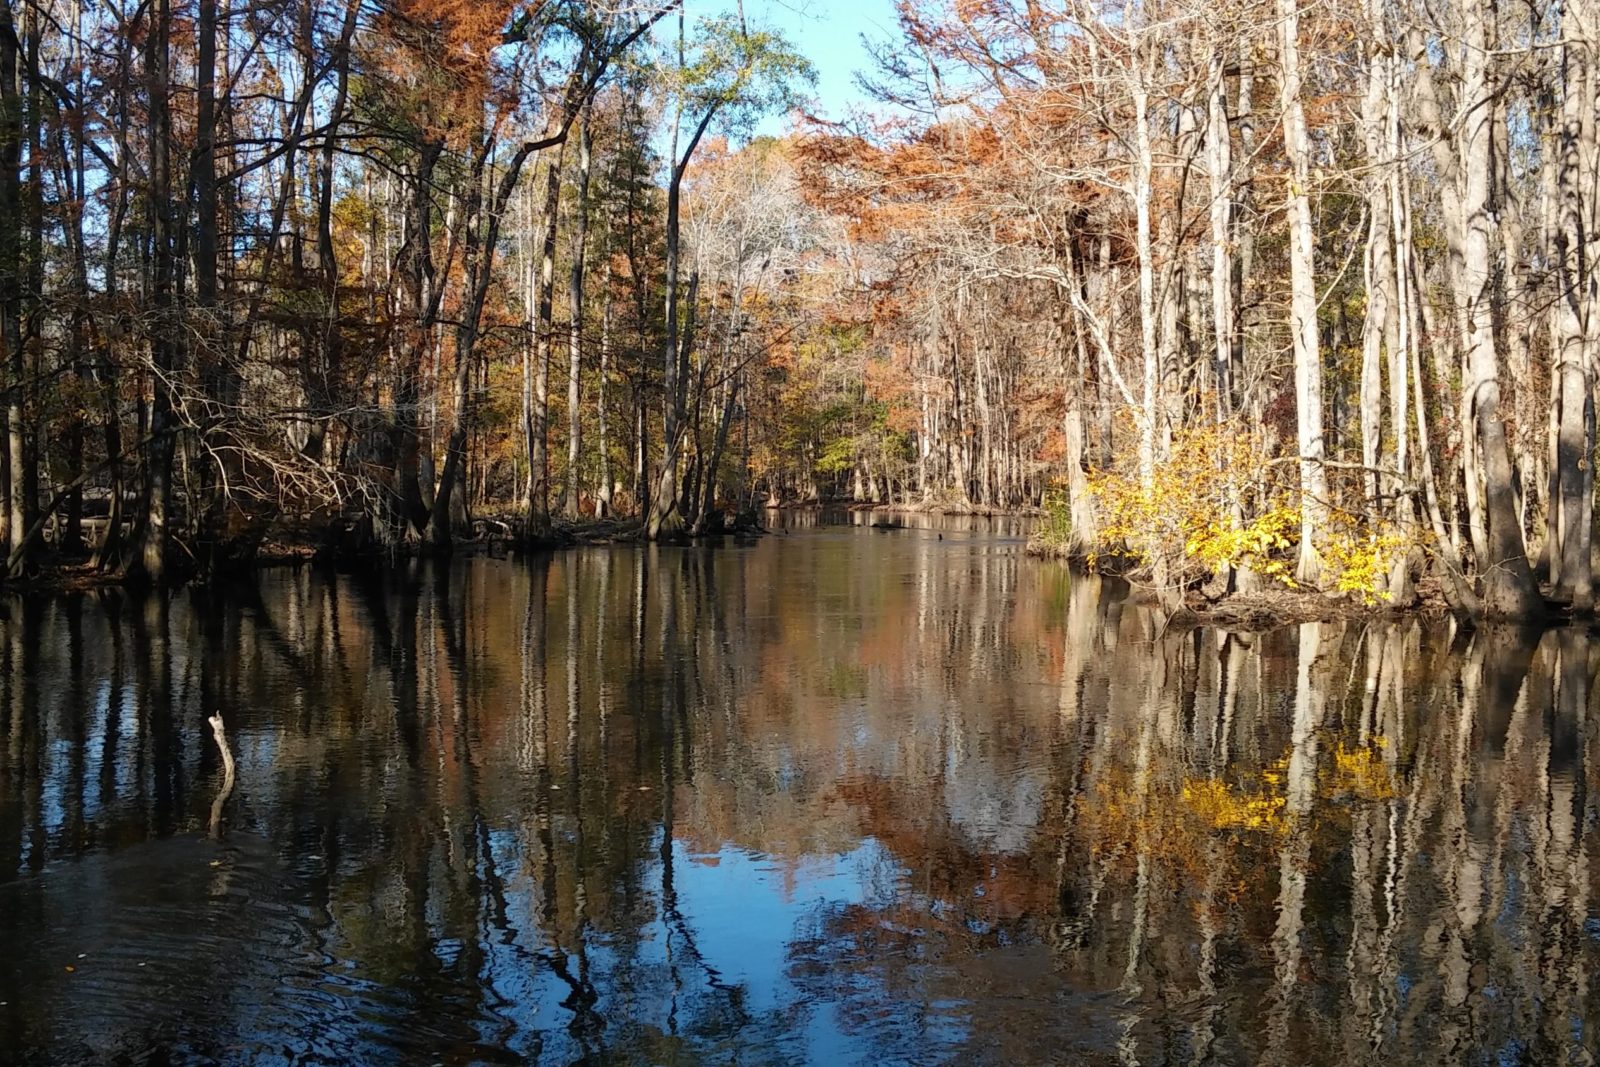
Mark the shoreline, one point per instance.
(1273, 607)
(76, 575)
(1269, 610)
(1255, 611)
(931, 508)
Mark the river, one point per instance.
(838, 795)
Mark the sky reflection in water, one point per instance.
(839, 796)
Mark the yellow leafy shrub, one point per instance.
(1189, 517)
(1357, 559)
(1260, 544)
(1220, 500)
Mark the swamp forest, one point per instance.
(1239, 296)
(799, 532)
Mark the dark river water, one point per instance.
(838, 796)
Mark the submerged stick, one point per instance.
(221, 737)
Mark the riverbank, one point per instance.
(493, 536)
(1268, 607)
(499, 536)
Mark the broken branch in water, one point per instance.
(221, 738)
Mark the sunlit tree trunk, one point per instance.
(1080, 377)
(575, 324)
(1219, 158)
(1303, 301)
(1378, 266)
(536, 416)
(1144, 170)
(1399, 337)
(603, 492)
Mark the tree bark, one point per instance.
(537, 418)
(1571, 502)
(580, 237)
(664, 515)
(1303, 302)
(150, 563)
(1508, 589)
(18, 512)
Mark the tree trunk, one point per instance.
(1219, 156)
(664, 516)
(730, 403)
(449, 515)
(1572, 378)
(603, 492)
(18, 505)
(1508, 589)
(331, 342)
(537, 418)
(1400, 337)
(1378, 262)
(151, 561)
(1303, 302)
(580, 235)
(1143, 192)
(409, 517)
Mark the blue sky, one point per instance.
(828, 32)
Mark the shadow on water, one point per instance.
(841, 796)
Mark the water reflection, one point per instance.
(986, 527)
(839, 796)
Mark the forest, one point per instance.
(1235, 295)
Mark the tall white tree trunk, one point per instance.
(575, 323)
(1220, 162)
(1148, 312)
(1303, 300)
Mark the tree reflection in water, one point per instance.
(841, 796)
